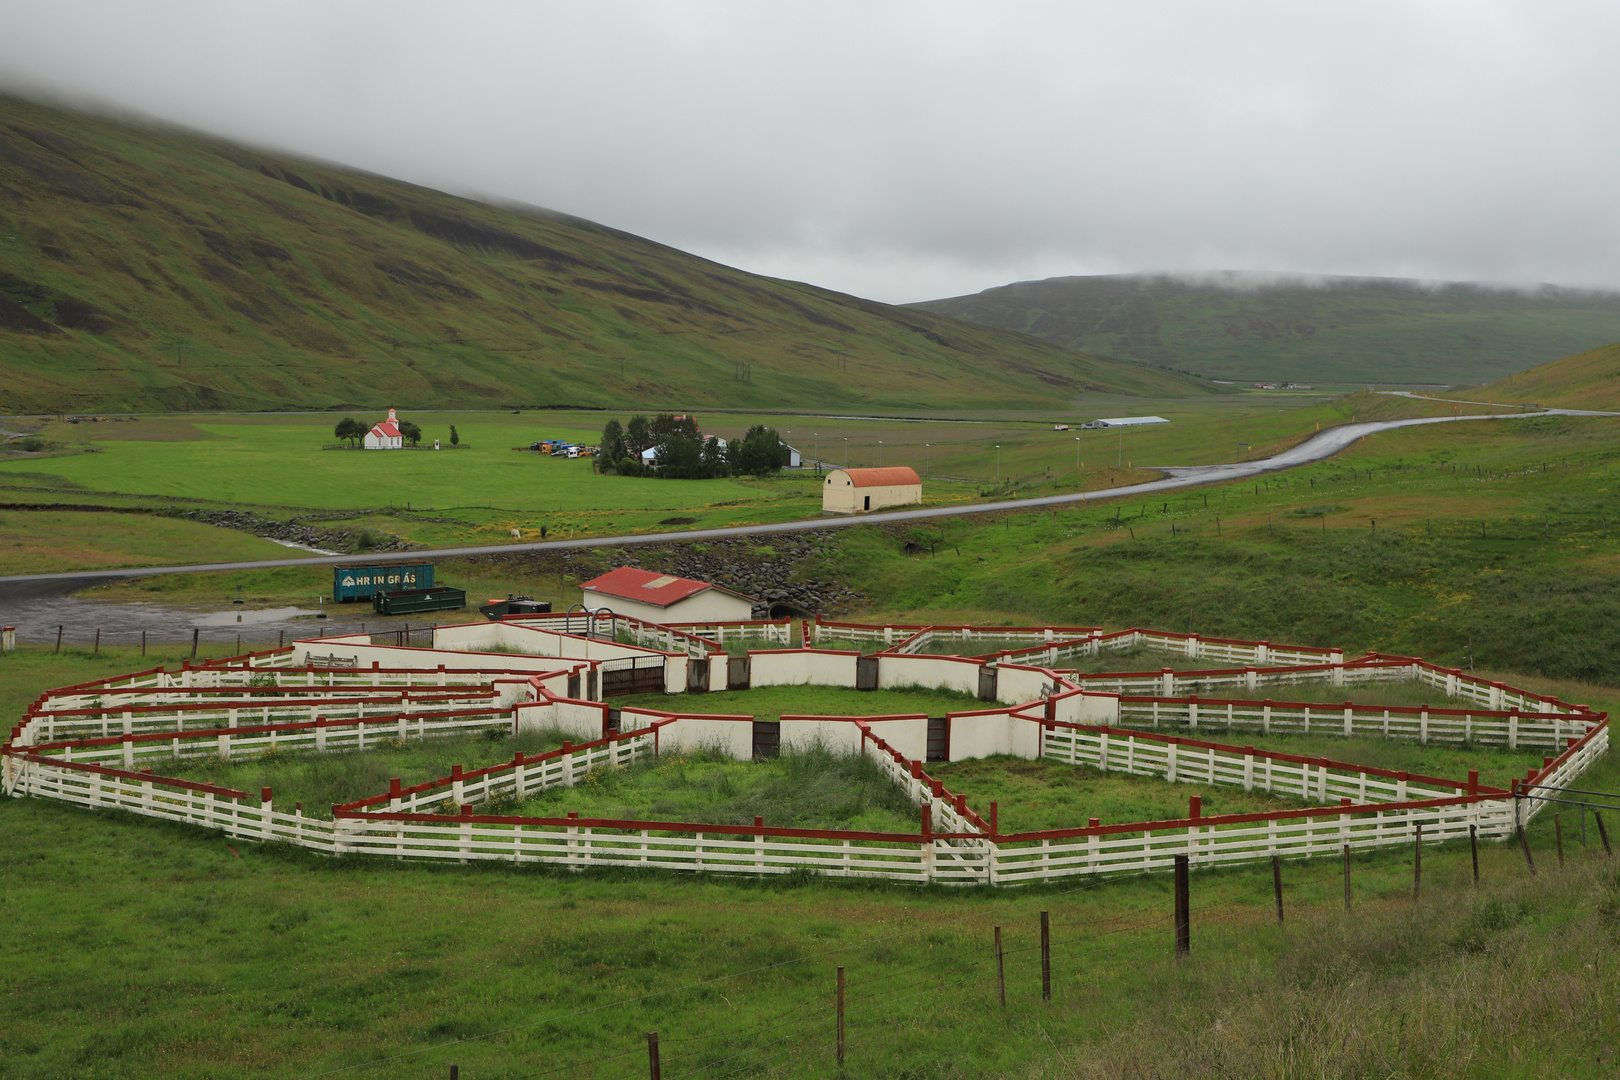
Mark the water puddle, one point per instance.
(241, 616)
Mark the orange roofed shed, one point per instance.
(855, 491)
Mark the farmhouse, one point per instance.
(664, 598)
(386, 435)
(853, 491)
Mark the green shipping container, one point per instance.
(413, 600)
(364, 582)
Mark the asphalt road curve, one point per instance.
(1319, 446)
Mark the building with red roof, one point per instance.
(855, 491)
(386, 435)
(664, 598)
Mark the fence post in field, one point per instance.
(1001, 971)
(1046, 958)
(1183, 912)
(96, 651)
(1524, 843)
(143, 642)
(59, 639)
(1558, 831)
(455, 1072)
(195, 631)
(1276, 883)
(1417, 864)
(1347, 879)
(840, 1018)
(1603, 834)
(1473, 849)
(653, 1070)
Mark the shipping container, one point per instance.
(364, 582)
(408, 601)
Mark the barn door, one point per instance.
(737, 673)
(939, 738)
(767, 739)
(866, 673)
(987, 683)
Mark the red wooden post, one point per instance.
(995, 829)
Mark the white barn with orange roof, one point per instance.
(855, 491)
(386, 435)
(664, 598)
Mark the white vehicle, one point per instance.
(1060, 427)
(572, 451)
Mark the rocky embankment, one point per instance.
(774, 570)
(342, 541)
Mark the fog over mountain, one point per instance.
(908, 151)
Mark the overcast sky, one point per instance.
(905, 151)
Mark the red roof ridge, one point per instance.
(647, 587)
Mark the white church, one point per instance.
(386, 436)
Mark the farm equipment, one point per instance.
(497, 608)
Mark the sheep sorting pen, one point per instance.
(105, 744)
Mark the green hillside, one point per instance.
(155, 269)
(1333, 330)
(1588, 380)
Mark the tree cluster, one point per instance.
(682, 453)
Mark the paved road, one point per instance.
(1322, 445)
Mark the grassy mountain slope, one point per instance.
(155, 269)
(1306, 330)
(1588, 380)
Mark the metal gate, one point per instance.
(987, 683)
(737, 673)
(767, 739)
(866, 672)
(939, 738)
(632, 675)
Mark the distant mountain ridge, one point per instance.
(147, 268)
(1278, 327)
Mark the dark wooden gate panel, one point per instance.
(987, 683)
(866, 673)
(697, 675)
(640, 678)
(939, 738)
(612, 723)
(767, 739)
(737, 673)
(573, 686)
(590, 686)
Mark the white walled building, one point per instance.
(664, 598)
(386, 435)
(855, 491)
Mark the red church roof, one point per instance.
(644, 586)
(892, 476)
(386, 430)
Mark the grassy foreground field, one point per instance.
(141, 948)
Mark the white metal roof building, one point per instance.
(1123, 421)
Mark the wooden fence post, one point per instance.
(455, 1072)
(1001, 971)
(1603, 834)
(1558, 831)
(1046, 958)
(1276, 883)
(1183, 914)
(1417, 864)
(653, 1070)
(1347, 879)
(1473, 849)
(1525, 844)
(194, 632)
(840, 1018)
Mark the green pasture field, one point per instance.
(36, 542)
